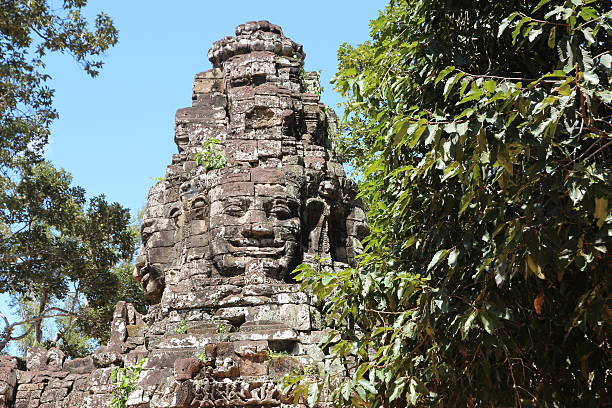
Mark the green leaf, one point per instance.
(474, 94)
(462, 128)
(605, 96)
(539, 5)
(367, 386)
(533, 34)
(464, 84)
(398, 389)
(451, 170)
(313, 394)
(467, 325)
(517, 29)
(452, 258)
(590, 77)
(450, 127)
(504, 24)
(437, 258)
(551, 37)
(466, 199)
(327, 279)
(554, 11)
(490, 85)
(488, 321)
(588, 13)
(444, 73)
(450, 83)
(346, 391)
(588, 34)
(416, 136)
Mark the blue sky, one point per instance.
(115, 132)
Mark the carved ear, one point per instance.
(312, 213)
(175, 212)
(199, 202)
(338, 234)
(313, 224)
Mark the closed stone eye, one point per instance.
(235, 208)
(280, 211)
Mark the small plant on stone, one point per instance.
(311, 370)
(312, 84)
(202, 356)
(210, 156)
(181, 328)
(124, 380)
(272, 355)
(222, 328)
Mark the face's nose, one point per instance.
(258, 230)
(258, 225)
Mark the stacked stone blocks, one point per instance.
(226, 320)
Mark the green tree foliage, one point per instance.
(482, 130)
(29, 29)
(81, 328)
(57, 249)
(58, 245)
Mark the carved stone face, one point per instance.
(282, 197)
(255, 228)
(158, 249)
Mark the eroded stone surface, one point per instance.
(218, 246)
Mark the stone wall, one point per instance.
(226, 320)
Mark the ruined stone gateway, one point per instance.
(226, 320)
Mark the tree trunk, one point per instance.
(42, 305)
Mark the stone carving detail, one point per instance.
(218, 246)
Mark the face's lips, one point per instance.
(256, 247)
(256, 243)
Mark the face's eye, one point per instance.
(234, 209)
(280, 210)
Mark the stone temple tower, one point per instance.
(219, 243)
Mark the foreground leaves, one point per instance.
(482, 132)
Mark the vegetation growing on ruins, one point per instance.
(181, 328)
(125, 380)
(482, 132)
(56, 246)
(210, 156)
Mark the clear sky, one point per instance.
(115, 132)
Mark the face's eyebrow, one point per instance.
(235, 201)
